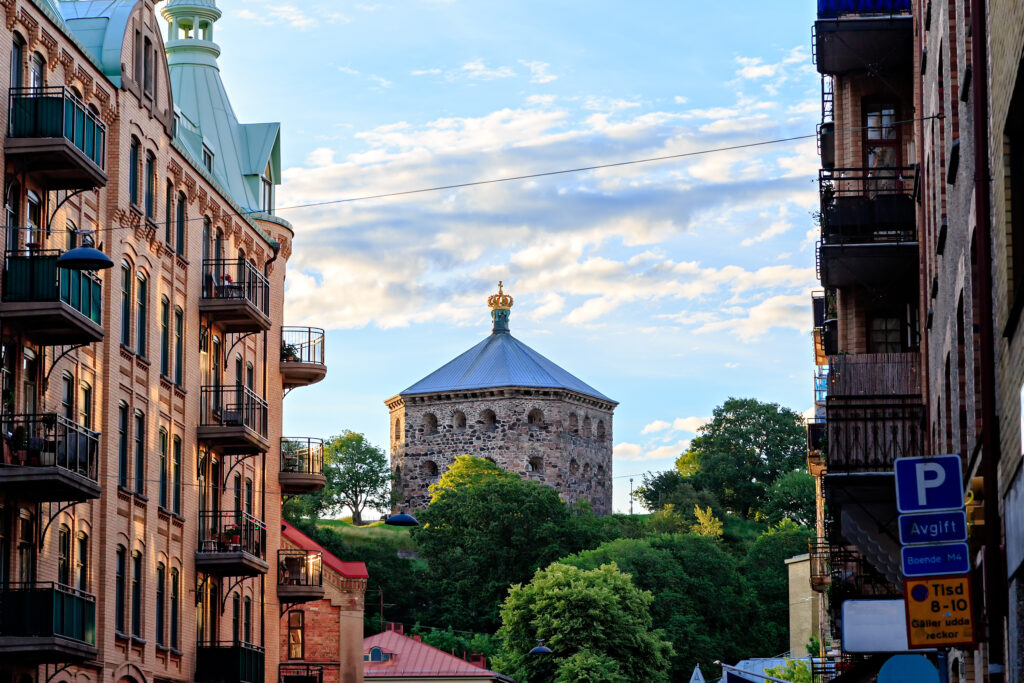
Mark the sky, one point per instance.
(668, 286)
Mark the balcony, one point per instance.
(302, 356)
(874, 36)
(868, 226)
(46, 622)
(233, 419)
(217, 662)
(231, 544)
(236, 295)
(301, 673)
(874, 411)
(816, 430)
(50, 305)
(821, 572)
(50, 458)
(302, 465)
(55, 139)
(299, 575)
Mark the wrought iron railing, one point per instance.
(51, 440)
(44, 610)
(302, 345)
(824, 669)
(828, 9)
(236, 279)
(860, 205)
(225, 532)
(821, 568)
(300, 568)
(302, 455)
(55, 112)
(218, 661)
(301, 673)
(33, 275)
(816, 438)
(232, 406)
(869, 437)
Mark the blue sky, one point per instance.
(668, 286)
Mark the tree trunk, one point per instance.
(357, 519)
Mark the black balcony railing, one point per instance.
(47, 610)
(815, 437)
(828, 9)
(232, 406)
(874, 375)
(50, 440)
(300, 568)
(821, 569)
(302, 345)
(302, 455)
(33, 276)
(865, 205)
(231, 532)
(301, 673)
(221, 661)
(56, 113)
(236, 279)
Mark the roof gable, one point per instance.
(350, 570)
(412, 657)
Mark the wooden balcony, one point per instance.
(49, 458)
(302, 356)
(233, 420)
(219, 662)
(299, 575)
(50, 305)
(302, 465)
(231, 544)
(55, 139)
(236, 295)
(46, 623)
(874, 36)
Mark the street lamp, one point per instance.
(540, 649)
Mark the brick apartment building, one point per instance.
(922, 114)
(143, 462)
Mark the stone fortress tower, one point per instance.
(503, 401)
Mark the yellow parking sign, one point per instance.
(939, 611)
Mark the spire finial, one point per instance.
(500, 305)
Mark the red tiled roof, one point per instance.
(350, 570)
(413, 658)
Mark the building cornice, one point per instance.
(497, 393)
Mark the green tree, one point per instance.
(795, 670)
(707, 524)
(358, 477)
(765, 570)
(479, 538)
(743, 449)
(465, 471)
(700, 599)
(458, 642)
(672, 488)
(597, 623)
(791, 496)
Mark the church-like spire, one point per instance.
(190, 31)
(501, 305)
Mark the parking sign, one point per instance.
(929, 483)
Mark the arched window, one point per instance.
(122, 444)
(236, 617)
(140, 451)
(378, 655)
(120, 600)
(429, 468)
(601, 435)
(429, 424)
(586, 427)
(17, 60)
(134, 158)
(165, 337)
(398, 429)
(82, 561)
(600, 475)
(459, 421)
(176, 475)
(535, 465)
(141, 313)
(535, 418)
(586, 469)
(164, 487)
(179, 238)
(37, 72)
(126, 304)
(149, 75)
(179, 345)
(175, 607)
(67, 396)
(168, 213)
(150, 182)
(574, 424)
(574, 467)
(85, 405)
(64, 555)
(161, 589)
(488, 420)
(71, 233)
(398, 475)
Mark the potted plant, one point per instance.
(289, 353)
(231, 536)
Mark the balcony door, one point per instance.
(882, 151)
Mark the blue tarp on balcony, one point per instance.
(836, 8)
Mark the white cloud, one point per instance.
(425, 72)
(348, 70)
(541, 100)
(477, 69)
(321, 156)
(538, 71)
(656, 426)
(608, 104)
(381, 81)
(679, 99)
(689, 424)
(635, 452)
(752, 324)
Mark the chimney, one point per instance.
(477, 659)
(396, 627)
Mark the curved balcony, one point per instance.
(863, 36)
(46, 622)
(233, 419)
(302, 465)
(299, 575)
(231, 544)
(302, 356)
(48, 458)
(236, 295)
(47, 304)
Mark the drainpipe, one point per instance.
(263, 502)
(995, 592)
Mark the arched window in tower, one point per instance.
(398, 429)
(429, 468)
(487, 420)
(535, 465)
(586, 427)
(459, 421)
(430, 424)
(574, 424)
(586, 469)
(600, 475)
(535, 418)
(574, 467)
(601, 435)
(398, 475)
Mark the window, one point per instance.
(458, 421)
(134, 157)
(247, 620)
(163, 468)
(165, 337)
(64, 555)
(574, 467)
(236, 616)
(175, 589)
(150, 180)
(176, 476)
(140, 452)
(35, 218)
(586, 427)
(378, 655)
(17, 60)
(82, 561)
(126, 305)
(881, 135)
(429, 468)
(535, 418)
(71, 234)
(238, 496)
(37, 72)
(168, 208)
(179, 239)
(67, 396)
(296, 635)
(535, 465)
(574, 423)
(137, 594)
(267, 191)
(1013, 180)
(487, 420)
(179, 345)
(85, 405)
(248, 495)
(148, 77)
(207, 159)
(26, 547)
(601, 435)
(398, 429)
(122, 444)
(206, 240)
(429, 424)
(160, 596)
(885, 335)
(141, 313)
(120, 567)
